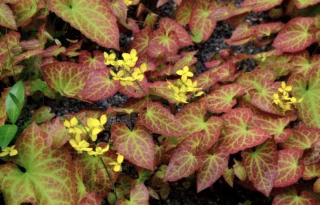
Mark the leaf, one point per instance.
(183, 12)
(172, 26)
(242, 31)
(211, 168)
(260, 164)
(225, 12)
(7, 133)
(290, 167)
(266, 29)
(57, 132)
(92, 62)
(91, 199)
(6, 17)
(139, 195)
(274, 125)
(119, 9)
(137, 145)
(182, 164)
(26, 55)
(42, 86)
(201, 25)
(42, 114)
(161, 89)
(10, 41)
(312, 156)
(66, 78)
(228, 176)
(260, 5)
(238, 136)
(99, 86)
(316, 186)
(15, 101)
(221, 99)
(295, 35)
(139, 89)
(239, 170)
(93, 168)
(301, 4)
(161, 2)
(101, 27)
(43, 170)
(302, 138)
(163, 42)
(141, 41)
(309, 90)
(291, 197)
(311, 171)
(24, 10)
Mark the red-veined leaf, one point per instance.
(139, 194)
(91, 199)
(182, 164)
(150, 21)
(312, 156)
(24, 10)
(99, 86)
(292, 197)
(302, 138)
(119, 9)
(221, 99)
(26, 55)
(66, 78)
(57, 131)
(160, 120)
(201, 25)
(295, 35)
(141, 41)
(31, 44)
(266, 29)
(301, 4)
(211, 168)
(242, 31)
(100, 27)
(225, 12)
(10, 41)
(53, 50)
(42, 114)
(161, 89)
(6, 17)
(183, 12)
(260, 5)
(138, 89)
(309, 90)
(311, 171)
(237, 136)
(290, 167)
(261, 165)
(92, 62)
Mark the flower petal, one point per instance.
(74, 121)
(92, 122)
(103, 119)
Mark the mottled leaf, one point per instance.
(24, 10)
(291, 197)
(6, 17)
(57, 132)
(139, 195)
(183, 12)
(302, 138)
(311, 171)
(301, 4)
(42, 114)
(141, 41)
(92, 62)
(260, 5)
(138, 89)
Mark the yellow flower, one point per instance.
(128, 2)
(96, 126)
(137, 75)
(79, 144)
(117, 165)
(180, 94)
(117, 63)
(276, 99)
(285, 106)
(294, 101)
(109, 59)
(131, 58)
(73, 127)
(199, 93)
(99, 151)
(185, 73)
(284, 88)
(116, 76)
(11, 151)
(191, 86)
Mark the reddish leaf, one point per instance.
(301, 63)
(170, 25)
(221, 99)
(291, 197)
(290, 167)
(311, 171)
(266, 29)
(201, 25)
(182, 164)
(24, 10)
(137, 145)
(302, 138)
(316, 186)
(207, 79)
(260, 5)
(225, 12)
(183, 12)
(139, 89)
(161, 2)
(160, 120)
(31, 44)
(163, 42)
(211, 168)
(43, 170)
(6, 17)
(273, 125)
(295, 35)
(301, 4)
(242, 31)
(57, 132)
(312, 156)
(261, 165)
(161, 89)
(139, 194)
(99, 86)
(119, 9)
(141, 41)
(100, 27)
(92, 62)
(237, 136)
(42, 114)
(150, 21)
(91, 199)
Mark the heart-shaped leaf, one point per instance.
(93, 62)
(302, 138)
(42, 114)
(292, 197)
(6, 17)
(139, 195)
(260, 5)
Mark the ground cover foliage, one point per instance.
(256, 128)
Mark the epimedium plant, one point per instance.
(260, 129)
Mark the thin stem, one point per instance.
(113, 186)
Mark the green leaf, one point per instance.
(41, 182)
(137, 145)
(42, 114)
(15, 101)
(101, 27)
(7, 133)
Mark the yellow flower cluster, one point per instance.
(128, 2)
(184, 86)
(129, 61)
(283, 99)
(93, 128)
(11, 151)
